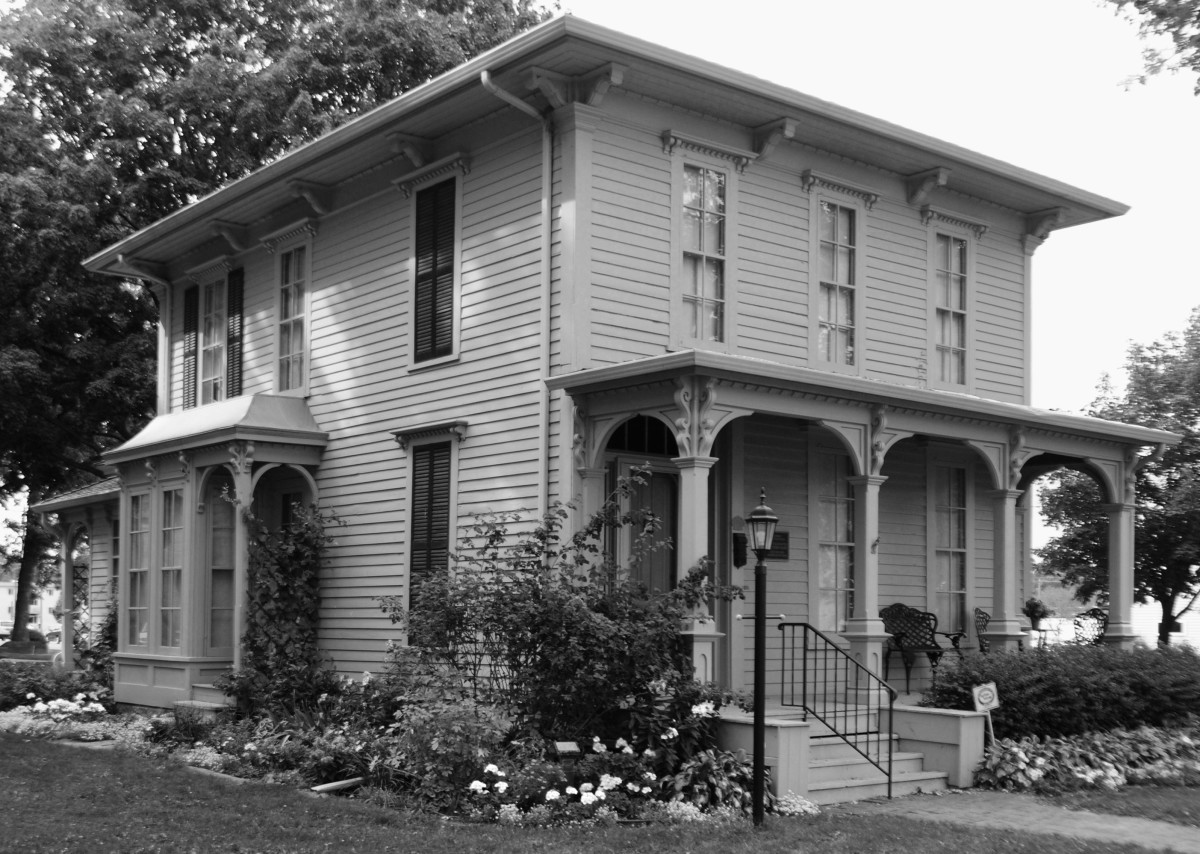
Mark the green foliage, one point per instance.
(1069, 690)
(553, 631)
(97, 658)
(1163, 391)
(712, 779)
(20, 679)
(1094, 760)
(1178, 21)
(283, 667)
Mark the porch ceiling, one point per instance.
(775, 377)
(263, 418)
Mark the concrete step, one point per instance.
(210, 694)
(859, 768)
(906, 783)
(828, 747)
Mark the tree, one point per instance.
(114, 113)
(1178, 20)
(1163, 390)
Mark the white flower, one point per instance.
(632, 787)
(491, 769)
(598, 745)
(571, 790)
(608, 781)
(586, 787)
(650, 775)
(670, 734)
(645, 790)
(704, 710)
(552, 795)
(476, 786)
(622, 743)
(587, 799)
(31, 696)
(600, 795)
(501, 787)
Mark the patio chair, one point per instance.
(913, 630)
(1090, 626)
(982, 618)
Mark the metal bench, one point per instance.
(982, 618)
(915, 631)
(1090, 626)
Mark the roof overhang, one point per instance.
(99, 492)
(574, 48)
(776, 376)
(265, 418)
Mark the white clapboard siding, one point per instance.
(1000, 321)
(902, 522)
(895, 287)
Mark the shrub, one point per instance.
(1068, 690)
(19, 679)
(552, 630)
(282, 665)
(1096, 760)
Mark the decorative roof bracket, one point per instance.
(235, 234)
(415, 148)
(921, 185)
(768, 136)
(560, 90)
(320, 196)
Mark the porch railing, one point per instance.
(827, 683)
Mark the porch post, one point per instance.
(690, 548)
(864, 629)
(1004, 630)
(67, 601)
(593, 491)
(1120, 574)
(241, 554)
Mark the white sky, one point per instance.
(1038, 83)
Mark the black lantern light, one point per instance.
(760, 529)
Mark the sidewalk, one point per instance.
(999, 810)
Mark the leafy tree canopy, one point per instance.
(114, 113)
(1163, 391)
(1178, 20)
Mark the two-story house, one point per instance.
(577, 253)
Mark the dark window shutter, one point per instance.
(191, 344)
(434, 321)
(431, 508)
(233, 337)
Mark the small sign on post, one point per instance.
(987, 698)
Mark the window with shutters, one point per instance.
(435, 294)
(431, 500)
(212, 340)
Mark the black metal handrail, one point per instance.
(839, 692)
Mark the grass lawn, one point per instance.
(1179, 805)
(63, 798)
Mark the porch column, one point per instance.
(1120, 574)
(1004, 630)
(864, 629)
(691, 547)
(67, 601)
(241, 557)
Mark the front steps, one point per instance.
(806, 758)
(839, 774)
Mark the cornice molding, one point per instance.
(272, 241)
(458, 160)
(405, 437)
(810, 178)
(210, 269)
(929, 213)
(740, 157)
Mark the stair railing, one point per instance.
(826, 682)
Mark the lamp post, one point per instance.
(760, 530)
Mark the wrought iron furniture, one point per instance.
(982, 618)
(912, 631)
(1090, 626)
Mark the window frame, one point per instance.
(945, 228)
(710, 157)
(283, 254)
(415, 445)
(828, 193)
(142, 605)
(427, 183)
(220, 337)
(937, 597)
(820, 489)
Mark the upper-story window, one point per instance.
(434, 276)
(837, 272)
(212, 340)
(293, 299)
(950, 329)
(704, 222)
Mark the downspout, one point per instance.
(543, 476)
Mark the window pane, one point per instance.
(714, 234)
(691, 230)
(846, 225)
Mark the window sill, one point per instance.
(433, 363)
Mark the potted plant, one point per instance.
(1036, 611)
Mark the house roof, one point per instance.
(575, 48)
(774, 374)
(253, 417)
(102, 490)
